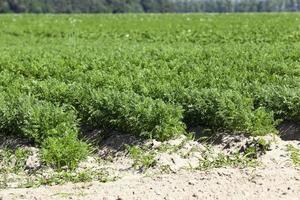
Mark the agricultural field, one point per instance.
(153, 76)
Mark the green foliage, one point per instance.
(65, 151)
(35, 119)
(245, 157)
(150, 75)
(295, 154)
(222, 160)
(135, 114)
(61, 177)
(230, 110)
(256, 147)
(142, 159)
(65, 176)
(13, 161)
(43, 120)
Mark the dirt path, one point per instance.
(277, 183)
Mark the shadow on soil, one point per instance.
(109, 142)
(13, 142)
(289, 131)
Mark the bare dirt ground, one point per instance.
(277, 183)
(276, 177)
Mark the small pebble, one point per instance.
(191, 183)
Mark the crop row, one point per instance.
(52, 86)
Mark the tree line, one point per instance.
(149, 6)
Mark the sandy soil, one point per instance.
(275, 178)
(276, 183)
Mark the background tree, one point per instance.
(123, 6)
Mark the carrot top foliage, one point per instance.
(151, 75)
